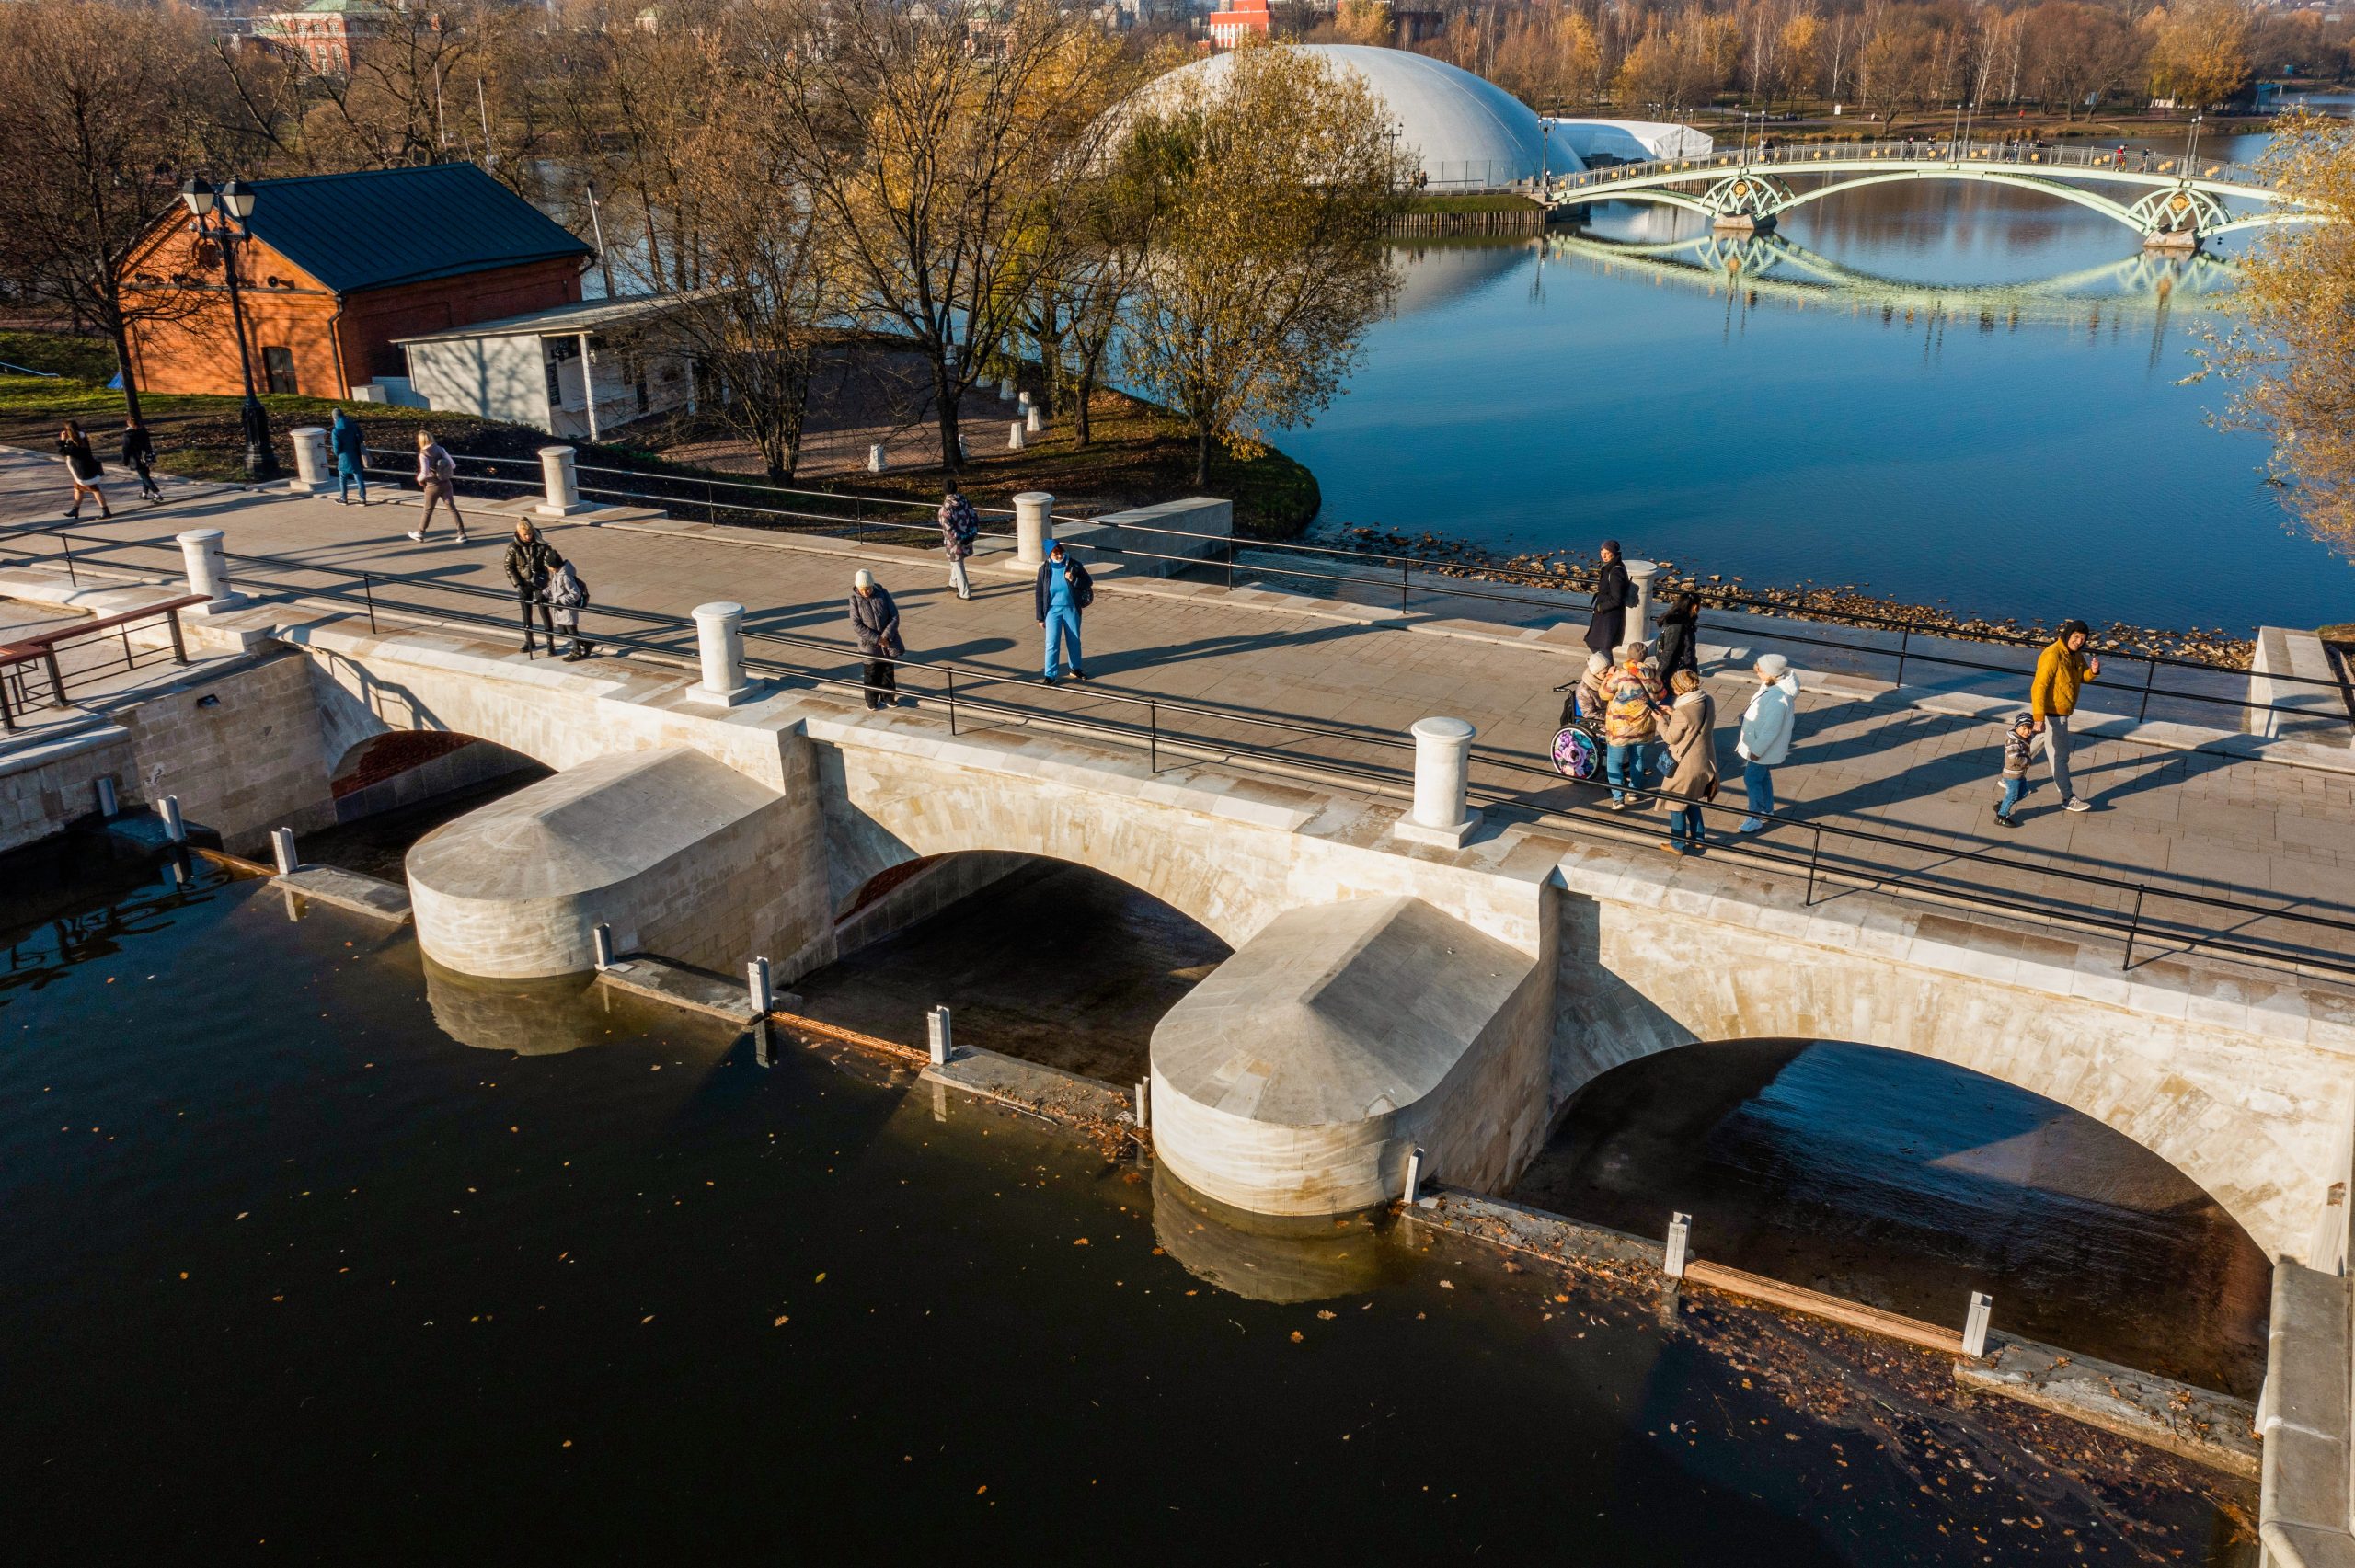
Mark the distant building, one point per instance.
(340, 267)
(323, 32)
(577, 371)
(1229, 27)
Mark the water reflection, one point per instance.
(531, 1018)
(1264, 1257)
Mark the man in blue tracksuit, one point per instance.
(1063, 593)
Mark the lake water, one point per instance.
(1951, 427)
(317, 1254)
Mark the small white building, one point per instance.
(1601, 142)
(578, 370)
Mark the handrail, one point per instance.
(1849, 865)
(2090, 160)
(43, 647)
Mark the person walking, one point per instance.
(437, 472)
(1680, 636)
(139, 456)
(2061, 671)
(1613, 594)
(532, 561)
(1633, 697)
(1061, 597)
(1766, 727)
(1689, 730)
(567, 596)
(959, 527)
(350, 449)
(874, 622)
(81, 466)
(2019, 745)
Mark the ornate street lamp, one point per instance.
(220, 216)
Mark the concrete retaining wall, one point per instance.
(1206, 525)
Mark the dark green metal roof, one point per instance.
(384, 227)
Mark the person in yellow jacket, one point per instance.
(2061, 671)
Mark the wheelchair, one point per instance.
(1578, 745)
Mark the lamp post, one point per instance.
(234, 202)
(2190, 146)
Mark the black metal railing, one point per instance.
(111, 634)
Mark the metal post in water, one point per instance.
(1414, 1174)
(756, 975)
(107, 804)
(1145, 1104)
(937, 1034)
(169, 808)
(281, 849)
(1680, 1237)
(601, 938)
(1974, 1325)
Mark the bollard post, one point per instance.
(107, 804)
(281, 850)
(1974, 1324)
(937, 1036)
(601, 940)
(1414, 1176)
(1145, 1104)
(719, 640)
(1022, 403)
(310, 460)
(169, 808)
(1013, 439)
(1680, 1236)
(560, 478)
(1034, 519)
(1442, 765)
(207, 563)
(1006, 389)
(1639, 619)
(1034, 422)
(876, 460)
(756, 979)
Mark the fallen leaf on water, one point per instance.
(1447, 1284)
(1324, 1314)
(1081, 1243)
(822, 1276)
(1298, 1336)
(781, 1321)
(647, 1319)
(979, 1490)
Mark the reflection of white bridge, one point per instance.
(1767, 263)
(2181, 202)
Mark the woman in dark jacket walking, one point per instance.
(82, 467)
(1607, 631)
(1680, 636)
(139, 456)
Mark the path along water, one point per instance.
(2002, 451)
(314, 1252)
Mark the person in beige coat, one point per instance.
(1689, 731)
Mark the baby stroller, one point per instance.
(1578, 745)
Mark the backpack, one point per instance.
(964, 522)
(1083, 591)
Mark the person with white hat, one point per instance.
(1766, 727)
(874, 622)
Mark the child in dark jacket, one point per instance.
(2017, 744)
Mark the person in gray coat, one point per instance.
(874, 622)
(1689, 730)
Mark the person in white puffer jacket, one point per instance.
(1766, 727)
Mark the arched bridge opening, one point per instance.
(392, 788)
(1045, 959)
(1907, 1183)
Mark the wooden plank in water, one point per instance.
(1797, 1298)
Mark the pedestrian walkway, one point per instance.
(1204, 673)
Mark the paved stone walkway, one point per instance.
(1267, 676)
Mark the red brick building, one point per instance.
(339, 267)
(323, 32)
(1228, 27)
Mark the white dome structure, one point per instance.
(1470, 134)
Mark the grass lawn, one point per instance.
(1138, 456)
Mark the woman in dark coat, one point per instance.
(1608, 629)
(1680, 636)
(81, 466)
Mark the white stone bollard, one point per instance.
(169, 808)
(937, 1036)
(1639, 619)
(1034, 522)
(560, 477)
(1442, 762)
(107, 804)
(719, 638)
(757, 990)
(310, 460)
(1974, 1324)
(281, 850)
(208, 570)
(1680, 1239)
(1022, 403)
(1006, 389)
(876, 460)
(1414, 1176)
(964, 452)
(1014, 441)
(1035, 423)
(600, 941)
(1145, 1104)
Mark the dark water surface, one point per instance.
(312, 1256)
(1952, 425)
